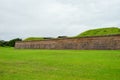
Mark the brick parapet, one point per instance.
(111, 42)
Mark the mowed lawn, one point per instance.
(59, 64)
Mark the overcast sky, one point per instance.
(51, 18)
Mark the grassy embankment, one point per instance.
(33, 38)
(100, 32)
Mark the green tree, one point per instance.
(3, 43)
(11, 43)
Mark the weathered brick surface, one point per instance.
(86, 43)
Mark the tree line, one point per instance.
(10, 43)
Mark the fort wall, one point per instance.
(84, 43)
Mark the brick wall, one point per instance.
(85, 43)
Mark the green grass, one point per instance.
(100, 32)
(33, 38)
(59, 64)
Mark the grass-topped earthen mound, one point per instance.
(33, 38)
(100, 32)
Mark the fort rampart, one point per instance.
(111, 42)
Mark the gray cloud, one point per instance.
(24, 18)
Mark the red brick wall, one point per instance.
(86, 43)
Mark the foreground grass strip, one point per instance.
(59, 64)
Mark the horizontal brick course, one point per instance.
(85, 43)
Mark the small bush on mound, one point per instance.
(100, 32)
